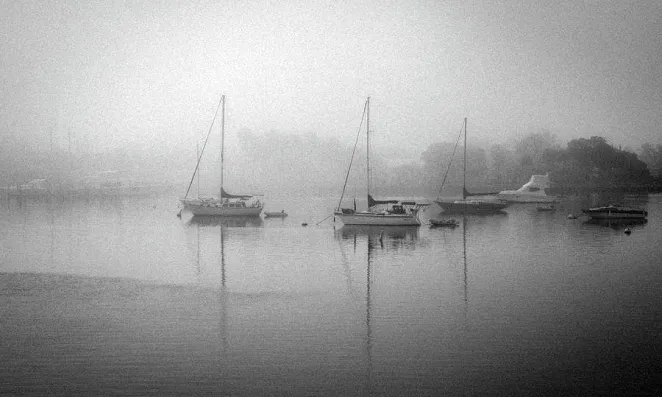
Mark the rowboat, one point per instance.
(444, 223)
(281, 214)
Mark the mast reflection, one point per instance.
(223, 294)
(345, 265)
(376, 238)
(367, 316)
(464, 257)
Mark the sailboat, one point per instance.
(225, 204)
(379, 212)
(479, 205)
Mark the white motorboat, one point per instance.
(531, 192)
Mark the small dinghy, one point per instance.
(281, 214)
(444, 223)
(546, 208)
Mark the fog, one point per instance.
(84, 80)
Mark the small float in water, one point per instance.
(281, 214)
(546, 208)
(443, 223)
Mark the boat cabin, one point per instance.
(397, 209)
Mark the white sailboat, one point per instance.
(531, 192)
(477, 205)
(224, 204)
(379, 212)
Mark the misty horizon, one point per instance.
(148, 74)
(91, 87)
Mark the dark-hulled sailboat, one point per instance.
(467, 205)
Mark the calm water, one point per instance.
(122, 297)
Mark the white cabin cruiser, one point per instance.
(531, 192)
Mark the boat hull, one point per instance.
(275, 214)
(471, 206)
(631, 214)
(210, 208)
(376, 219)
(523, 198)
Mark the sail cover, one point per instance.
(225, 194)
(466, 193)
(372, 202)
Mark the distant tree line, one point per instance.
(583, 164)
(594, 164)
(280, 163)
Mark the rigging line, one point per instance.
(324, 219)
(451, 160)
(353, 152)
(197, 165)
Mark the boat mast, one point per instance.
(368, 146)
(220, 193)
(464, 171)
(197, 156)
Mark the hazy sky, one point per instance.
(113, 72)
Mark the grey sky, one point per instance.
(114, 73)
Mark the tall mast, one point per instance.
(220, 193)
(368, 145)
(197, 156)
(464, 171)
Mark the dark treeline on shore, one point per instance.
(582, 165)
(317, 166)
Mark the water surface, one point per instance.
(122, 297)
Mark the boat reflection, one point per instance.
(391, 236)
(496, 213)
(617, 224)
(228, 221)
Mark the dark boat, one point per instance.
(614, 211)
(444, 223)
